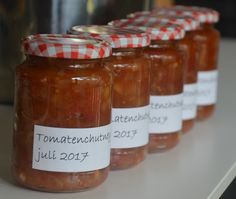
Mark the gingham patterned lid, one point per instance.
(117, 37)
(186, 22)
(66, 46)
(203, 15)
(138, 14)
(121, 22)
(207, 15)
(158, 30)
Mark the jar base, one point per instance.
(122, 159)
(57, 184)
(162, 150)
(187, 126)
(163, 142)
(205, 112)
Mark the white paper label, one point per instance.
(130, 127)
(190, 101)
(71, 149)
(166, 113)
(207, 87)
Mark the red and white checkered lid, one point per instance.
(138, 14)
(121, 22)
(157, 29)
(188, 23)
(203, 15)
(66, 46)
(117, 37)
(206, 15)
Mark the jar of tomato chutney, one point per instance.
(61, 140)
(130, 105)
(166, 87)
(207, 43)
(187, 44)
(207, 39)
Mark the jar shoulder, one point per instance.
(206, 34)
(59, 70)
(171, 54)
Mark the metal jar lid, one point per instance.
(66, 46)
(138, 14)
(203, 15)
(188, 23)
(117, 37)
(158, 30)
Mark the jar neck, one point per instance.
(207, 25)
(163, 43)
(127, 51)
(52, 61)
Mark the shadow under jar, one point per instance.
(207, 45)
(61, 140)
(131, 85)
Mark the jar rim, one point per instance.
(66, 46)
(116, 36)
(202, 14)
(158, 30)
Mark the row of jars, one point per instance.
(101, 97)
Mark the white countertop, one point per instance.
(200, 167)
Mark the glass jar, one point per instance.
(207, 39)
(139, 14)
(188, 45)
(61, 140)
(167, 76)
(131, 71)
(207, 45)
(130, 104)
(166, 94)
